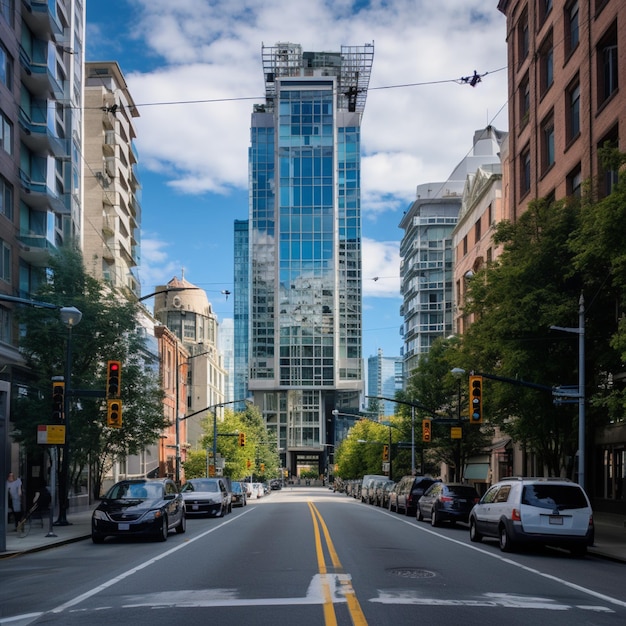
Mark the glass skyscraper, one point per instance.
(305, 357)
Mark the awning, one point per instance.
(476, 471)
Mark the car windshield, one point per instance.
(547, 496)
(201, 485)
(133, 491)
(236, 488)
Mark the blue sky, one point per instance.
(194, 69)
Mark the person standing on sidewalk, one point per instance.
(14, 486)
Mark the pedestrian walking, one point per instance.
(14, 486)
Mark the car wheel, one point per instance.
(182, 525)
(506, 545)
(97, 538)
(434, 519)
(419, 514)
(475, 536)
(221, 511)
(164, 529)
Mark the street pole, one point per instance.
(413, 441)
(70, 316)
(458, 373)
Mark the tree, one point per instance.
(515, 301)
(107, 331)
(433, 386)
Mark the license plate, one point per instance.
(557, 520)
(194, 507)
(123, 526)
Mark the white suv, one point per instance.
(534, 510)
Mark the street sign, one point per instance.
(456, 432)
(51, 435)
(385, 467)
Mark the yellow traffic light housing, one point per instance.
(114, 372)
(242, 439)
(426, 430)
(114, 413)
(385, 452)
(476, 398)
(58, 401)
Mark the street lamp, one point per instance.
(458, 373)
(70, 316)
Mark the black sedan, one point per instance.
(139, 508)
(447, 502)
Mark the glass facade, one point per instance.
(305, 248)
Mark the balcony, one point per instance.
(35, 249)
(41, 17)
(36, 193)
(37, 77)
(38, 137)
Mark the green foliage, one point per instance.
(260, 445)
(196, 464)
(107, 331)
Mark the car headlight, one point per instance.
(153, 515)
(100, 515)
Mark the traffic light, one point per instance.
(114, 370)
(58, 401)
(385, 452)
(248, 463)
(476, 395)
(426, 430)
(262, 468)
(114, 413)
(242, 439)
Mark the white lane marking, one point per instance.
(531, 570)
(109, 583)
(501, 600)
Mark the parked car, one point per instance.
(366, 484)
(207, 496)
(139, 507)
(386, 493)
(404, 496)
(534, 510)
(447, 502)
(275, 485)
(379, 491)
(239, 496)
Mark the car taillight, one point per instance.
(445, 499)
(591, 521)
(515, 515)
(476, 500)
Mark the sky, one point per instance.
(194, 69)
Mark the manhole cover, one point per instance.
(411, 572)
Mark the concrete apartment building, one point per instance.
(111, 245)
(41, 91)
(305, 358)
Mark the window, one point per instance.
(8, 10)
(6, 68)
(546, 64)
(465, 245)
(607, 65)
(572, 29)
(477, 231)
(573, 111)
(524, 101)
(523, 40)
(573, 182)
(525, 171)
(6, 134)
(547, 144)
(6, 198)
(608, 176)
(545, 7)
(5, 262)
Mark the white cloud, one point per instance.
(411, 134)
(381, 268)
(156, 263)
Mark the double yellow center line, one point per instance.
(330, 618)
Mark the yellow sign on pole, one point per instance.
(51, 434)
(456, 432)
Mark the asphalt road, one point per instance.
(309, 557)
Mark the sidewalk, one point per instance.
(610, 540)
